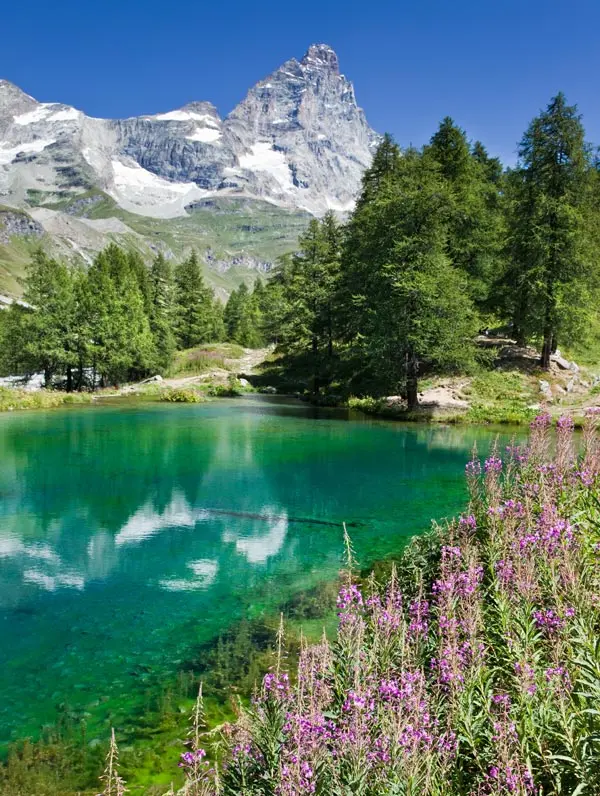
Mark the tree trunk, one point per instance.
(69, 379)
(412, 393)
(315, 353)
(546, 351)
(47, 377)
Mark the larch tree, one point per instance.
(193, 304)
(552, 277)
(410, 304)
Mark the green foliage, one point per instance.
(181, 395)
(549, 288)
(475, 219)
(198, 316)
(408, 305)
(232, 389)
(12, 399)
(109, 324)
(161, 311)
(243, 315)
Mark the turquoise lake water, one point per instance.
(128, 533)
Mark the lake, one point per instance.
(130, 532)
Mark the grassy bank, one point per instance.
(12, 399)
(494, 397)
(474, 670)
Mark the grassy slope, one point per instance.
(229, 227)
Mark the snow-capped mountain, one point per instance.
(298, 140)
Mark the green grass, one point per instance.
(496, 398)
(226, 229)
(204, 358)
(181, 395)
(12, 399)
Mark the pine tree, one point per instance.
(242, 318)
(112, 320)
(232, 313)
(410, 305)
(48, 327)
(161, 290)
(194, 310)
(475, 220)
(553, 273)
(385, 163)
(308, 323)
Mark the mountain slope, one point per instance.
(296, 145)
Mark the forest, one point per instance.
(443, 243)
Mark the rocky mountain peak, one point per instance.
(321, 56)
(298, 139)
(13, 99)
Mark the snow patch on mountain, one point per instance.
(9, 154)
(181, 116)
(207, 135)
(264, 158)
(38, 115)
(298, 140)
(138, 189)
(67, 115)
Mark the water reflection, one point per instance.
(125, 534)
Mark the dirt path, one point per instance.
(244, 366)
(253, 357)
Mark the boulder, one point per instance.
(546, 389)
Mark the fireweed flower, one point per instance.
(565, 423)
(493, 464)
(473, 468)
(519, 453)
(550, 621)
(349, 597)
(276, 686)
(191, 759)
(542, 421)
(467, 523)
(418, 613)
(526, 678)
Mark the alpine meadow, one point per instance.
(311, 501)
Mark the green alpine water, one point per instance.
(130, 533)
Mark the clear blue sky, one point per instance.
(491, 64)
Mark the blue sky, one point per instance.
(491, 65)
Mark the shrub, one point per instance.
(181, 395)
(12, 399)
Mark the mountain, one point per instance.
(239, 189)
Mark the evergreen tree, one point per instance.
(232, 314)
(475, 220)
(194, 307)
(276, 300)
(140, 270)
(47, 328)
(309, 292)
(385, 162)
(552, 278)
(112, 319)
(409, 303)
(161, 291)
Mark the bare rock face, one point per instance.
(19, 224)
(298, 140)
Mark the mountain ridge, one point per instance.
(297, 141)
